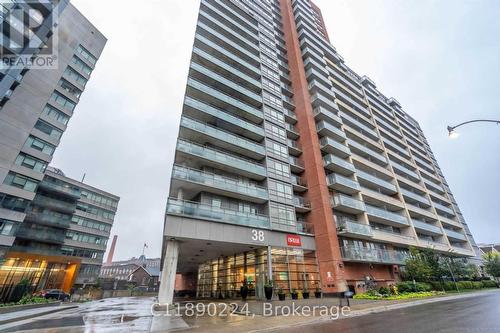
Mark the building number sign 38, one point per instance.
(257, 235)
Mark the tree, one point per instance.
(416, 266)
(492, 264)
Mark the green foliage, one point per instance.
(489, 284)
(410, 287)
(397, 297)
(384, 291)
(492, 264)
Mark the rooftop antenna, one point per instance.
(83, 178)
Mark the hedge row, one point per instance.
(409, 286)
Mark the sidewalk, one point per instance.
(261, 323)
(23, 314)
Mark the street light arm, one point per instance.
(451, 128)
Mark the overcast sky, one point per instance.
(440, 59)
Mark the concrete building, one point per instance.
(293, 168)
(35, 107)
(122, 269)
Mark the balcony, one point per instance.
(455, 236)
(421, 211)
(198, 109)
(192, 129)
(341, 183)
(354, 229)
(219, 184)
(294, 147)
(347, 204)
(390, 236)
(223, 101)
(222, 160)
(296, 165)
(53, 236)
(443, 209)
(61, 188)
(338, 165)
(314, 75)
(405, 172)
(227, 86)
(415, 197)
(48, 219)
(359, 126)
(427, 228)
(292, 131)
(336, 148)
(319, 100)
(299, 185)
(326, 129)
(197, 210)
(55, 204)
(318, 87)
(320, 113)
(367, 152)
(290, 116)
(288, 102)
(377, 214)
(385, 186)
(301, 204)
(351, 253)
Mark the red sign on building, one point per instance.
(293, 240)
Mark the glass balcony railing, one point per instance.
(335, 147)
(61, 188)
(373, 255)
(216, 156)
(48, 219)
(386, 215)
(351, 227)
(295, 162)
(323, 114)
(319, 100)
(427, 227)
(226, 85)
(376, 181)
(344, 201)
(336, 180)
(324, 128)
(221, 182)
(206, 212)
(443, 208)
(219, 114)
(301, 202)
(225, 101)
(338, 164)
(405, 170)
(52, 236)
(359, 125)
(366, 152)
(455, 235)
(222, 135)
(415, 196)
(55, 204)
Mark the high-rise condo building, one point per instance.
(291, 167)
(38, 236)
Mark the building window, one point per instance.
(280, 190)
(278, 169)
(13, 203)
(85, 54)
(7, 228)
(74, 75)
(20, 181)
(40, 145)
(68, 87)
(277, 149)
(281, 214)
(62, 101)
(80, 65)
(30, 162)
(48, 129)
(55, 114)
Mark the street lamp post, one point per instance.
(453, 134)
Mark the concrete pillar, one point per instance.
(180, 194)
(167, 282)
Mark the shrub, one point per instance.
(488, 284)
(408, 287)
(396, 297)
(384, 291)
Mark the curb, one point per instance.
(34, 315)
(378, 309)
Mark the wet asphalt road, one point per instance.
(468, 315)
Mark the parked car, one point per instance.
(55, 294)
